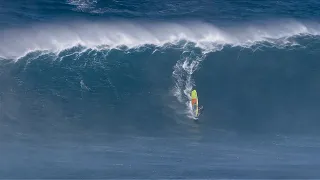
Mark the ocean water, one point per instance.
(100, 89)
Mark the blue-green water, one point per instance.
(100, 89)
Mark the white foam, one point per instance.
(184, 83)
(209, 37)
(83, 86)
(83, 5)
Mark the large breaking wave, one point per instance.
(122, 75)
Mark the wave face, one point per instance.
(154, 68)
(96, 89)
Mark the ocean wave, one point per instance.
(241, 90)
(90, 44)
(58, 37)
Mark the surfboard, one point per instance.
(194, 102)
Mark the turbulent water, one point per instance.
(101, 89)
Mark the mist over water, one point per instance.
(209, 37)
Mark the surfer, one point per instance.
(194, 102)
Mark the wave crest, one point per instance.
(208, 37)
